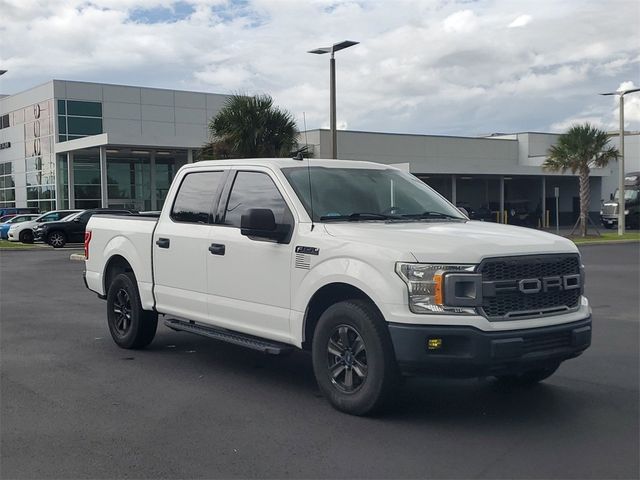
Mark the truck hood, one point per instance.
(452, 242)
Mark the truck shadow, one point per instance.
(439, 401)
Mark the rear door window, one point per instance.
(196, 196)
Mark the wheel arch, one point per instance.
(116, 265)
(323, 298)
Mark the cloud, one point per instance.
(423, 66)
(520, 21)
(464, 21)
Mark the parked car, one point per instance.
(359, 263)
(483, 214)
(23, 232)
(71, 229)
(6, 218)
(18, 219)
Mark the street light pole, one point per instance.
(332, 107)
(332, 89)
(621, 209)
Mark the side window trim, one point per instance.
(216, 196)
(221, 212)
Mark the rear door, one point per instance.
(249, 279)
(180, 246)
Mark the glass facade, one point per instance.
(78, 119)
(7, 185)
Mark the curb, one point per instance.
(606, 242)
(78, 257)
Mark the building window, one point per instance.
(4, 121)
(78, 119)
(7, 185)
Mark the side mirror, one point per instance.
(77, 220)
(261, 223)
(464, 211)
(611, 196)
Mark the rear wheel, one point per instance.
(57, 239)
(353, 358)
(130, 326)
(528, 378)
(26, 236)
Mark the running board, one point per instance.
(249, 341)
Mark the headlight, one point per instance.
(425, 283)
(626, 212)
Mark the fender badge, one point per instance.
(307, 250)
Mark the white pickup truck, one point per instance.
(361, 264)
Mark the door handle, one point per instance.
(217, 249)
(163, 242)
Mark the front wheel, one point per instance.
(26, 236)
(57, 239)
(353, 358)
(527, 378)
(131, 327)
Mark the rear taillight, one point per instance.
(87, 239)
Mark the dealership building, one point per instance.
(68, 144)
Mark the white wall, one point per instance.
(148, 116)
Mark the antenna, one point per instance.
(306, 148)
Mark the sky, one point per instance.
(443, 67)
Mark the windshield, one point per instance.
(71, 217)
(629, 195)
(367, 194)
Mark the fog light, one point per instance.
(434, 343)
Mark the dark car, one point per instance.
(72, 228)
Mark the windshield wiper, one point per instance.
(354, 217)
(430, 215)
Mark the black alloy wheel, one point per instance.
(121, 311)
(57, 239)
(353, 358)
(131, 327)
(26, 236)
(347, 359)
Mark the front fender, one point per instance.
(382, 287)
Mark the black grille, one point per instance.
(508, 302)
(609, 209)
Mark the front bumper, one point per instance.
(469, 352)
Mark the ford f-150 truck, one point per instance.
(363, 265)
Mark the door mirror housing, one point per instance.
(261, 223)
(464, 211)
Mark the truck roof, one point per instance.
(289, 162)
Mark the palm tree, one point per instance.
(579, 149)
(251, 126)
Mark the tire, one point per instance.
(57, 239)
(527, 378)
(26, 236)
(353, 358)
(131, 327)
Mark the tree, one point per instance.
(249, 127)
(581, 148)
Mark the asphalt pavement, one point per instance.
(73, 405)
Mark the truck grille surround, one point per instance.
(609, 209)
(503, 300)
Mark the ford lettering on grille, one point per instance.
(530, 286)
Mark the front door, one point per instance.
(249, 279)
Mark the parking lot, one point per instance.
(73, 405)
